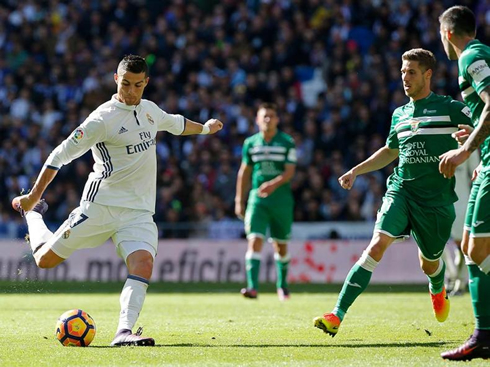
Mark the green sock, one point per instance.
(355, 283)
(282, 265)
(479, 285)
(436, 280)
(252, 263)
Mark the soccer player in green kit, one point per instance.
(458, 31)
(418, 200)
(268, 163)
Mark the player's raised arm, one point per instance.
(210, 127)
(378, 160)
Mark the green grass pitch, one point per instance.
(219, 328)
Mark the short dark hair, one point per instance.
(426, 59)
(267, 106)
(459, 20)
(134, 64)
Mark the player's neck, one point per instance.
(460, 45)
(268, 135)
(422, 95)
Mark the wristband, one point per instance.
(205, 130)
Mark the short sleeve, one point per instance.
(392, 140)
(84, 137)
(245, 153)
(460, 113)
(477, 71)
(291, 157)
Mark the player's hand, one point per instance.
(214, 125)
(476, 172)
(463, 133)
(239, 210)
(450, 160)
(266, 189)
(347, 180)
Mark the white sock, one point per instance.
(131, 300)
(38, 231)
(485, 265)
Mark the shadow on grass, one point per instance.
(322, 345)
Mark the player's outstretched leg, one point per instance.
(355, 283)
(473, 348)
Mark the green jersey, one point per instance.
(421, 130)
(474, 77)
(268, 160)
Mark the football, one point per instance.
(75, 328)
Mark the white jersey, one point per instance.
(123, 143)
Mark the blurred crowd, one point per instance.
(332, 67)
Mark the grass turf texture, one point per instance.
(220, 328)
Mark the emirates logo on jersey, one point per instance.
(414, 125)
(150, 119)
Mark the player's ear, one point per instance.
(115, 78)
(428, 73)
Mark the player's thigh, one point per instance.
(281, 221)
(256, 220)
(87, 226)
(431, 228)
(136, 231)
(392, 217)
(480, 221)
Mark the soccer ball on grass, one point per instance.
(75, 328)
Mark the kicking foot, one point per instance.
(441, 305)
(249, 293)
(283, 294)
(329, 323)
(41, 207)
(125, 338)
(471, 349)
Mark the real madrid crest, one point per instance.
(150, 119)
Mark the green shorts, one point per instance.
(477, 220)
(430, 226)
(278, 218)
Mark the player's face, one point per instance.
(267, 119)
(130, 86)
(448, 47)
(416, 81)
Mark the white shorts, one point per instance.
(90, 225)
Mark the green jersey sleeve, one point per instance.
(291, 157)
(475, 69)
(392, 140)
(245, 153)
(460, 113)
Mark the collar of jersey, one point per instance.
(471, 43)
(423, 99)
(124, 106)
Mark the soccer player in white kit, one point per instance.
(118, 200)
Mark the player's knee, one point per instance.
(477, 253)
(143, 267)
(429, 267)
